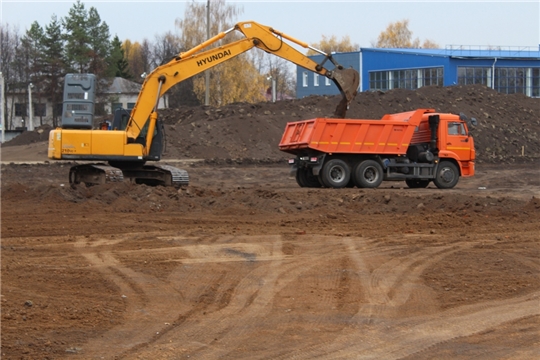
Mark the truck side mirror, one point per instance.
(474, 122)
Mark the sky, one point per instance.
(510, 24)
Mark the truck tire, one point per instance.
(447, 175)
(305, 178)
(368, 174)
(335, 173)
(417, 183)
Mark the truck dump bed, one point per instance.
(392, 134)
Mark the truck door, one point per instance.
(457, 140)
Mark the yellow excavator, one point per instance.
(137, 136)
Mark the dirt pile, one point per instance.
(508, 125)
(29, 137)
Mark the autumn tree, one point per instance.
(332, 44)
(134, 59)
(235, 80)
(398, 35)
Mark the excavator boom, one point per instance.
(195, 61)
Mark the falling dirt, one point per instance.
(245, 264)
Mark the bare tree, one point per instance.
(9, 41)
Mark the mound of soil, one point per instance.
(508, 125)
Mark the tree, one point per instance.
(32, 45)
(134, 59)
(87, 40)
(398, 35)
(331, 44)
(235, 80)
(9, 43)
(279, 70)
(165, 48)
(117, 63)
(139, 57)
(77, 38)
(54, 66)
(100, 45)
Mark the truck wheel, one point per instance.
(299, 178)
(447, 175)
(335, 174)
(417, 183)
(305, 178)
(368, 174)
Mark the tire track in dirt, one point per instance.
(391, 285)
(148, 302)
(251, 303)
(251, 288)
(459, 322)
(240, 298)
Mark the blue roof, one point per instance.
(517, 53)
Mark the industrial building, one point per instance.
(506, 70)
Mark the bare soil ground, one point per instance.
(244, 264)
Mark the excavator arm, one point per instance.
(195, 61)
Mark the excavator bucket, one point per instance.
(347, 81)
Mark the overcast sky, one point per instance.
(485, 23)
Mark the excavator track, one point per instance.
(153, 175)
(94, 174)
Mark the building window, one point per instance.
(432, 77)
(405, 79)
(510, 80)
(378, 80)
(20, 109)
(315, 79)
(130, 105)
(304, 79)
(57, 110)
(327, 81)
(116, 106)
(474, 75)
(535, 82)
(40, 109)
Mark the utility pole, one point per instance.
(207, 73)
(30, 109)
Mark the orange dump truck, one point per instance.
(417, 146)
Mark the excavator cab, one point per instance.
(120, 122)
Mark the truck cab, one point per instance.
(456, 143)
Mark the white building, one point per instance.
(120, 93)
